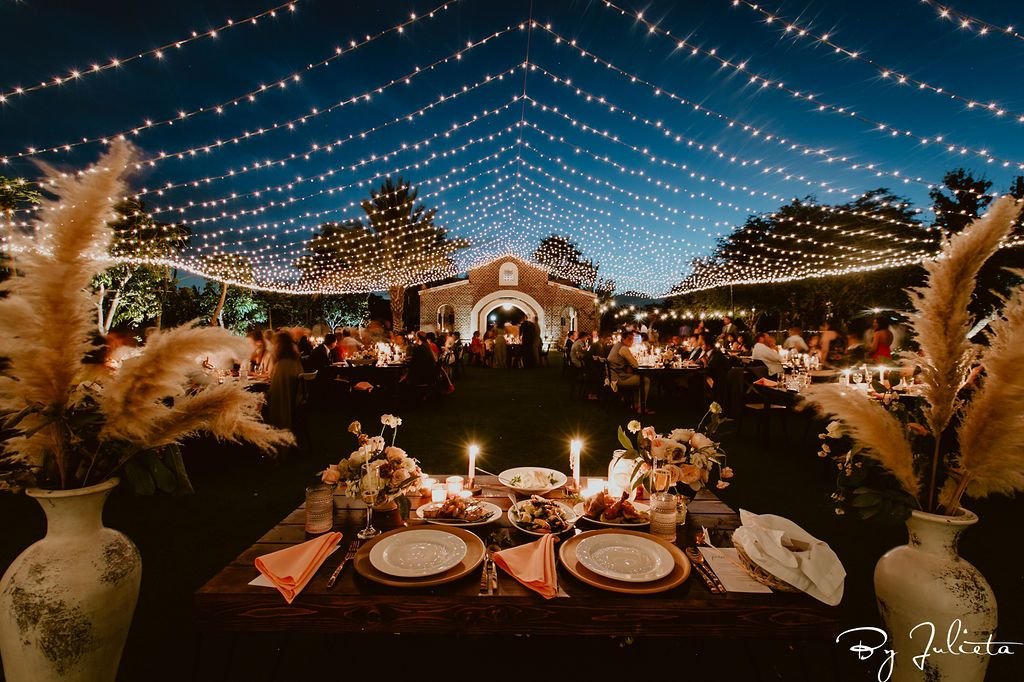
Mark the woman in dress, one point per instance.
(832, 349)
(881, 340)
(284, 382)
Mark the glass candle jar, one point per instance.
(319, 508)
(663, 516)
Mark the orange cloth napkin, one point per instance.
(766, 382)
(533, 565)
(291, 568)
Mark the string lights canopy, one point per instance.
(466, 160)
(967, 22)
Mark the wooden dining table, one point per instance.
(227, 603)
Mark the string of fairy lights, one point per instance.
(502, 176)
(76, 73)
(967, 22)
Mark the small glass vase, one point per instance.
(319, 508)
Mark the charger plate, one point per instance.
(679, 574)
(475, 552)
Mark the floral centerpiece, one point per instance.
(693, 460)
(966, 439)
(384, 471)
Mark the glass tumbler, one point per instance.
(319, 508)
(663, 516)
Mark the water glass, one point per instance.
(663, 516)
(319, 508)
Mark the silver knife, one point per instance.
(349, 555)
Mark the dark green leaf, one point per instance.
(867, 500)
(624, 440)
(137, 478)
(165, 479)
(173, 459)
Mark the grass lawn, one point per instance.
(517, 417)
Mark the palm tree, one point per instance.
(399, 247)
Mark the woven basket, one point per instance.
(760, 575)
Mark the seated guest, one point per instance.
(717, 365)
(795, 341)
(623, 368)
(284, 382)
(696, 348)
(766, 352)
(739, 346)
(433, 345)
(579, 351)
(266, 365)
(349, 344)
(321, 355)
(305, 346)
(814, 344)
(833, 349)
(855, 352)
(259, 349)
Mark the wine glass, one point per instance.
(857, 377)
(660, 478)
(369, 487)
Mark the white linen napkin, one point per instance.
(790, 553)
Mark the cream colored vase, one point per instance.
(66, 602)
(927, 593)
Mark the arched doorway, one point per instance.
(497, 301)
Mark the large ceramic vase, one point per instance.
(925, 592)
(66, 602)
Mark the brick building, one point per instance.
(464, 306)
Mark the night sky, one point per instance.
(643, 220)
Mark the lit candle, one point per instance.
(574, 461)
(438, 492)
(466, 494)
(474, 450)
(454, 484)
(594, 486)
(427, 483)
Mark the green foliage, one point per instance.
(241, 310)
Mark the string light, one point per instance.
(75, 74)
(969, 23)
(223, 106)
(893, 75)
(758, 132)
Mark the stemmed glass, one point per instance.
(370, 487)
(857, 377)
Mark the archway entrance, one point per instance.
(507, 305)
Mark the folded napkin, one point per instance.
(790, 553)
(766, 382)
(533, 565)
(291, 568)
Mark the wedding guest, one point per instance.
(488, 358)
(349, 344)
(432, 344)
(321, 355)
(578, 351)
(529, 332)
(476, 350)
(624, 367)
(833, 349)
(501, 347)
(284, 382)
(795, 341)
(716, 364)
(728, 327)
(765, 351)
(855, 353)
(570, 339)
(259, 349)
(305, 346)
(881, 340)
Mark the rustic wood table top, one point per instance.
(227, 603)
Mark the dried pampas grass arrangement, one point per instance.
(74, 424)
(990, 435)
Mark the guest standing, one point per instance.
(881, 340)
(501, 347)
(284, 382)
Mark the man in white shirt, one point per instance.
(764, 350)
(349, 344)
(795, 341)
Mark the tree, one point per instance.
(227, 268)
(565, 261)
(400, 246)
(959, 200)
(344, 310)
(133, 282)
(235, 308)
(15, 194)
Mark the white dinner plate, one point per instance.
(639, 506)
(417, 553)
(493, 514)
(567, 512)
(624, 557)
(532, 480)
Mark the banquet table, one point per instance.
(660, 373)
(227, 603)
(385, 376)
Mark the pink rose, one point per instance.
(726, 472)
(688, 474)
(649, 433)
(722, 485)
